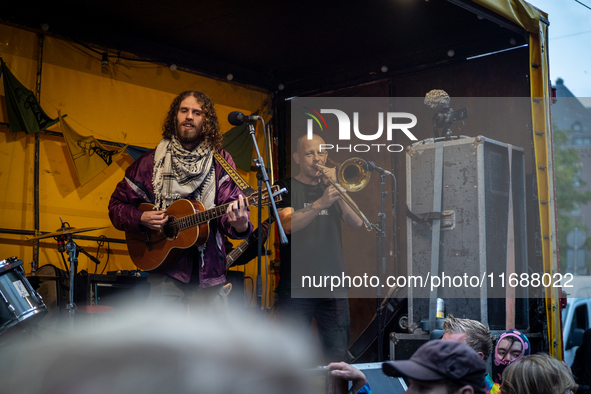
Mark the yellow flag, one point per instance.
(90, 156)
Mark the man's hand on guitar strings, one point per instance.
(238, 215)
(154, 220)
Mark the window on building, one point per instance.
(582, 141)
(577, 127)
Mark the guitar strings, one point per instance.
(175, 225)
(202, 216)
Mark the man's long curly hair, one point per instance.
(210, 128)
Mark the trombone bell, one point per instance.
(352, 175)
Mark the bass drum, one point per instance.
(19, 302)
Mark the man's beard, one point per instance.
(191, 137)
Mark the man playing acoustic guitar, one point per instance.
(181, 167)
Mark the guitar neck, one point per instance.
(238, 250)
(205, 216)
(242, 246)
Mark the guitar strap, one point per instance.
(238, 180)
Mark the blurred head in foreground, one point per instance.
(537, 374)
(161, 353)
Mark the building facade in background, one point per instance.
(570, 115)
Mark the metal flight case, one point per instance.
(466, 221)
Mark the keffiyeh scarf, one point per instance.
(179, 173)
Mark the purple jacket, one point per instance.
(137, 188)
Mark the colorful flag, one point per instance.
(238, 143)
(24, 112)
(135, 151)
(90, 156)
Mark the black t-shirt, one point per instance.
(316, 250)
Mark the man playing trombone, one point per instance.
(311, 214)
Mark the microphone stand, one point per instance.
(380, 252)
(72, 249)
(381, 261)
(264, 177)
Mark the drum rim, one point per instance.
(19, 319)
(6, 265)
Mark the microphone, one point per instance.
(61, 244)
(437, 99)
(371, 166)
(236, 118)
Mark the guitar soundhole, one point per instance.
(170, 228)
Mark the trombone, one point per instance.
(353, 176)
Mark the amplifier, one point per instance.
(111, 290)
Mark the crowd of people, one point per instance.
(171, 351)
(206, 350)
(456, 364)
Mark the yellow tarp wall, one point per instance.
(126, 102)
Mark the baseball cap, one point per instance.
(438, 360)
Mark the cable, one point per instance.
(108, 253)
(570, 35)
(100, 242)
(65, 264)
(584, 5)
(118, 56)
(266, 246)
(266, 146)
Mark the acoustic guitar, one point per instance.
(188, 224)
